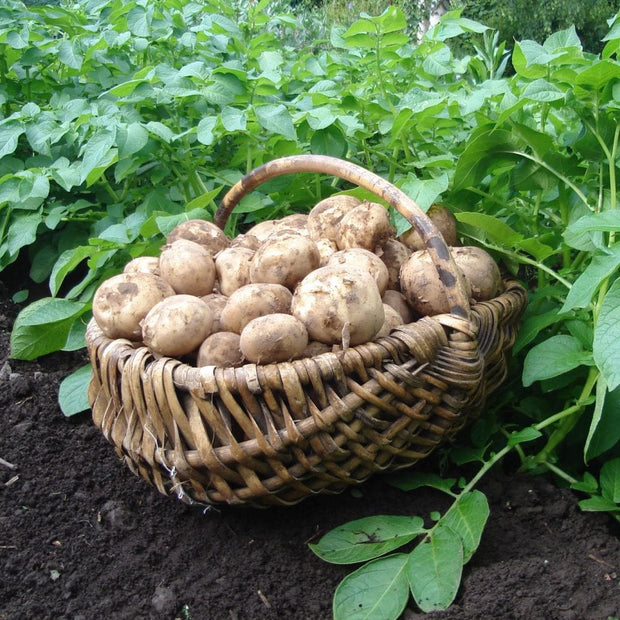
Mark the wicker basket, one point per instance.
(275, 434)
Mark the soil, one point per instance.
(82, 538)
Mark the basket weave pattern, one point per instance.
(275, 434)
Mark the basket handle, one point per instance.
(449, 275)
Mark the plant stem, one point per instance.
(570, 417)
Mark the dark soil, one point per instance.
(81, 537)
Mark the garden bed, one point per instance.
(81, 537)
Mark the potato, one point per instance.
(315, 348)
(122, 301)
(263, 229)
(326, 248)
(394, 254)
(339, 306)
(216, 303)
(232, 267)
(325, 216)
(444, 221)
(392, 320)
(397, 300)
(297, 222)
(177, 325)
(246, 241)
(202, 232)
(220, 349)
(273, 338)
(254, 300)
(480, 270)
(143, 264)
(421, 286)
(284, 260)
(365, 261)
(188, 267)
(365, 226)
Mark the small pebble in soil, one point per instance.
(117, 516)
(164, 601)
(20, 385)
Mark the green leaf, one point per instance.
(532, 326)
(543, 91)
(578, 234)
(604, 432)
(66, 263)
(467, 518)
(434, 569)
(607, 337)
(22, 232)
(598, 504)
(367, 538)
(376, 590)
(610, 480)
(69, 54)
(204, 131)
(495, 229)
(43, 327)
(276, 118)
(73, 391)
(131, 138)
(233, 119)
(425, 192)
(161, 131)
(410, 480)
(9, 136)
(329, 141)
(555, 356)
(96, 151)
(524, 435)
(602, 265)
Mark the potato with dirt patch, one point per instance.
(232, 267)
(202, 232)
(220, 349)
(143, 264)
(394, 254)
(177, 325)
(122, 301)
(338, 305)
(273, 338)
(422, 287)
(365, 226)
(325, 216)
(254, 300)
(392, 320)
(285, 259)
(364, 261)
(445, 223)
(480, 270)
(188, 267)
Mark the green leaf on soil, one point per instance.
(367, 538)
(73, 391)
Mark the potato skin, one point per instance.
(366, 226)
(263, 229)
(480, 270)
(216, 303)
(143, 264)
(398, 301)
(326, 214)
(338, 305)
(122, 301)
(232, 267)
(421, 286)
(273, 338)
(188, 267)
(254, 300)
(220, 349)
(177, 325)
(394, 254)
(364, 260)
(202, 232)
(444, 221)
(284, 260)
(392, 320)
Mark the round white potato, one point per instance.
(366, 226)
(394, 254)
(143, 264)
(254, 300)
(480, 270)
(365, 261)
(325, 216)
(188, 267)
(445, 223)
(339, 306)
(122, 301)
(220, 349)
(273, 338)
(232, 266)
(202, 232)
(177, 325)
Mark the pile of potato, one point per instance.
(288, 288)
